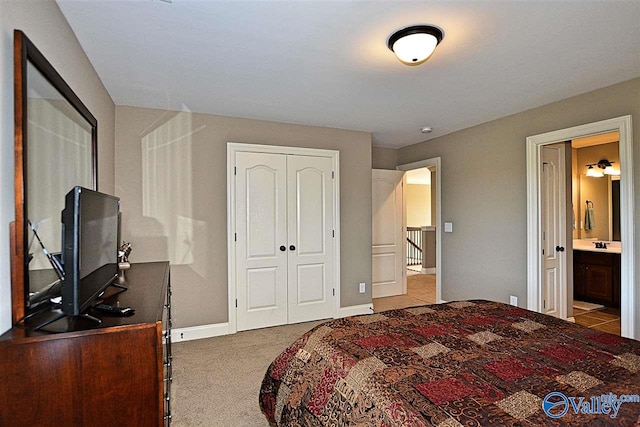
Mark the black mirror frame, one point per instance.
(24, 51)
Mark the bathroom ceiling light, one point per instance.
(594, 172)
(414, 45)
(426, 129)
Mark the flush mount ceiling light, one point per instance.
(414, 45)
(426, 129)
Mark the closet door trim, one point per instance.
(232, 149)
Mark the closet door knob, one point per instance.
(283, 248)
(292, 248)
(560, 248)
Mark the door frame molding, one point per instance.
(232, 149)
(437, 163)
(627, 206)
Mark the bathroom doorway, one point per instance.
(587, 223)
(597, 248)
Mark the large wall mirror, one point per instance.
(56, 149)
(596, 187)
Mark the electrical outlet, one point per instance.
(363, 287)
(513, 300)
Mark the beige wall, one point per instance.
(44, 24)
(484, 191)
(418, 200)
(384, 158)
(171, 177)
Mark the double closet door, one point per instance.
(284, 247)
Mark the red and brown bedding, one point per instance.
(461, 363)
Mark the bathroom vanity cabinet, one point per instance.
(596, 277)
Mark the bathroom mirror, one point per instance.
(602, 197)
(596, 187)
(55, 146)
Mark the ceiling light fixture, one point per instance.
(426, 129)
(414, 45)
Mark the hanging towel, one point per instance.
(589, 217)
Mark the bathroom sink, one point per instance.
(589, 245)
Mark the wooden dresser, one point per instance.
(114, 374)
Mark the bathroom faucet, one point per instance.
(601, 245)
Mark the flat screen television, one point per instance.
(89, 247)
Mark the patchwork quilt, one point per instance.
(461, 363)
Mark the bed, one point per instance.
(460, 363)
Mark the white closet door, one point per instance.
(261, 226)
(388, 241)
(310, 233)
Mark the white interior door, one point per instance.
(388, 241)
(552, 193)
(311, 260)
(261, 233)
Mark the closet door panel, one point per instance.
(261, 228)
(310, 234)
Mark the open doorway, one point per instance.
(420, 234)
(597, 248)
(421, 237)
(587, 274)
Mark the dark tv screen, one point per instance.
(90, 221)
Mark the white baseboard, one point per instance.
(219, 329)
(356, 310)
(571, 319)
(442, 301)
(199, 332)
(431, 270)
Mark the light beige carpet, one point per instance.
(216, 381)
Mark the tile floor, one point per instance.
(421, 290)
(605, 320)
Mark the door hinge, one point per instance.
(235, 170)
(334, 291)
(235, 237)
(543, 252)
(544, 304)
(236, 303)
(333, 175)
(333, 233)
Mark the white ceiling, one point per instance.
(326, 63)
